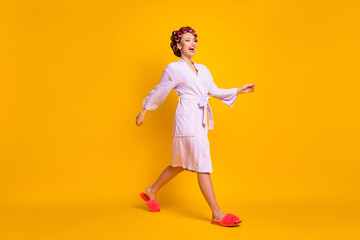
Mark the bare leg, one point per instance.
(168, 173)
(208, 192)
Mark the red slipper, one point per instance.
(153, 205)
(228, 220)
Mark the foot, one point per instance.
(218, 216)
(150, 193)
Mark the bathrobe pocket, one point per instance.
(184, 124)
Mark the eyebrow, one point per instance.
(188, 37)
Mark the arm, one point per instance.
(227, 96)
(157, 96)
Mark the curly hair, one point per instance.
(176, 37)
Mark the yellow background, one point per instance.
(285, 157)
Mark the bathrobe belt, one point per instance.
(202, 103)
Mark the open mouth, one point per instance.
(192, 50)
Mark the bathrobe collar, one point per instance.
(182, 60)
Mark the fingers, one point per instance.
(139, 123)
(251, 86)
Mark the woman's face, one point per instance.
(187, 44)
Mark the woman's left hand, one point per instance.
(250, 87)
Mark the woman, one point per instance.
(190, 147)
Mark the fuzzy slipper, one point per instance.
(153, 205)
(228, 220)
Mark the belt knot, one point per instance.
(202, 103)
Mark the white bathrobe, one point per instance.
(190, 147)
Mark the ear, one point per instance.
(178, 45)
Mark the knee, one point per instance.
(201, 174)
(179, 169)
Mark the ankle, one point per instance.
(217, 213)
(151, 190)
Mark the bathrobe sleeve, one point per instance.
(227, 96)
(157, 96)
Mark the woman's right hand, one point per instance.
(140, 117)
